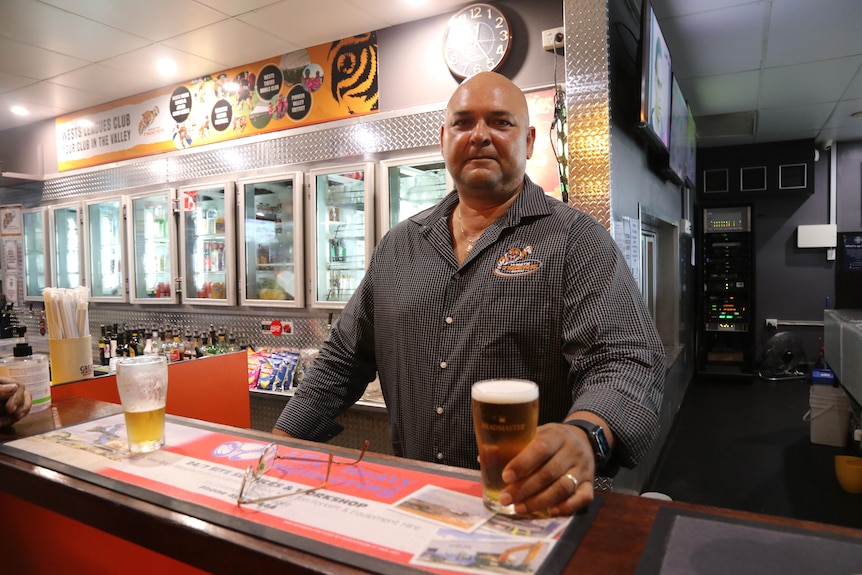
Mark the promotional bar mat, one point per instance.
(685, 542)
(386, 517)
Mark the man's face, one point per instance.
(486, 138)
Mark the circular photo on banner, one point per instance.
(312, 77)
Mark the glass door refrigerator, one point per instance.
(152, 237)
(207, 249)
(105, 253)
(341, 217)
(36, 253)
(66, 246)
(409, 186)
(271, 227)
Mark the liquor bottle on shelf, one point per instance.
(104, 343)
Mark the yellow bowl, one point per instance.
(848, 469)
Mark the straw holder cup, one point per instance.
(71, 359)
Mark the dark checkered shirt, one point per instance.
(544, 295)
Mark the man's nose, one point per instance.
(480, 135)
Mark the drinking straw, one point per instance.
(66, 311)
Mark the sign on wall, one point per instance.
(319, 84)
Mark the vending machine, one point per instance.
(152, 237)
(105, 249)
(207, 261)
(66, 246)
(36, 253)
(341, 223)
(410, 185)
(271, 230)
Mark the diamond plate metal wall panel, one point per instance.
(351, 139)
(588, 106)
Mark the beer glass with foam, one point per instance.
(505, 416)
(143, 385)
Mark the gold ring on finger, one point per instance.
(574, 481)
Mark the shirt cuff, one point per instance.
(302, 421)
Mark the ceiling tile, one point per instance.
(319, 26)
(716, 42)
(806, 32)
(723, 94)
(153, 19)
(237, 7)
(792, 122)
(37, 112)
(808, 83)
(56, 96)
(111, 83)
(32, 62)
(143, 63)
(60, 31)
(9, 82)
(845, 110)
(233, 47)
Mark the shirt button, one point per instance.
(439, 456)
(448, 320)
(443, 364)
(439, 410)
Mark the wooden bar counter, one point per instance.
(57, 523)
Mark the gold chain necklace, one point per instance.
(470, 242)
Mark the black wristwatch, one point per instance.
(601, 447)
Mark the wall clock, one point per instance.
(477, 39)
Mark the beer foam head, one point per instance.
(505, 391)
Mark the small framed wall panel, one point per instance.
(752, 179)
(716, 181)
(792, 176)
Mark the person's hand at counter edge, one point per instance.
(15, 401)
(555, 472)
(277, 431)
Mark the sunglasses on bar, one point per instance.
(268, 458)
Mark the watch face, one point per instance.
(477, 40)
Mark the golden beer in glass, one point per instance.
(142, 382)
(505, 416)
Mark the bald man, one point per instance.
(498, 280)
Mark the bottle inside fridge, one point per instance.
(341, 233)
(270, 231)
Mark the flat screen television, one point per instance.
(678, 133)
(655, 111)
(691, 150)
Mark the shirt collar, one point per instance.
(531, 202)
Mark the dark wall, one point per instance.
(792, 284)
(411, 67)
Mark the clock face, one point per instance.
(477, 40)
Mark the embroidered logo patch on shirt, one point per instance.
(515, 263)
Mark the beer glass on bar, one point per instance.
(142, 382)
(505, 416)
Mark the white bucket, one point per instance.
(829, 415)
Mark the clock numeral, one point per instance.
(498, 22)
(476, 12)
(504, 35)
(500, 50)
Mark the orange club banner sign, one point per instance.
(319, 84)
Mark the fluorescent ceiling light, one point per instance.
(20, 111)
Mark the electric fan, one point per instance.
(783, 358)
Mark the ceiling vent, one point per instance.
(724, 125)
